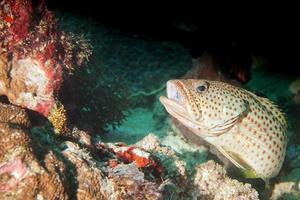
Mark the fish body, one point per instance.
(247, 129)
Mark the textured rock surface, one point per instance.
(83, 170)
(213, 183)
(30, 170)
(127, 182)
(210, 180)
(34, 55)
(22, 176)
(285, 190)
(88, 176)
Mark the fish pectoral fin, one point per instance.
(246, 170)
(234, 158)
(250, 173)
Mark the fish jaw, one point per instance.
(177, 104)
(180, 113)
(177, 91)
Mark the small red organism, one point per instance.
(140, 157)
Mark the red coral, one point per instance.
(20, 19)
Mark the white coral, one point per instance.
(212, 182)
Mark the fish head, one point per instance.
(203, 104)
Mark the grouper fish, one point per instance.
(247, 129)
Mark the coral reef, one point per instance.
(285, 190)
(209, 181)
(35, 55)
(58, 118)
(31, 168)
(127, 182)
(88, 176)
(213, 183)
(22, 176)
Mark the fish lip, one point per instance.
(172, 105)
(176, 109)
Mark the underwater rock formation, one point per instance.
(29, 174)
(207, 67)
(29, 170)
(126, 181)
(78, 168)
(210, 180)
(88, 176)
(286, 190)
(35, 55)
(294, 87)
(22, 176)
(213, 183)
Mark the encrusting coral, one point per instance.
(213, 183)
(35, 56)
(22, 176)
(58, 118)
(32, 167)
(210, 180)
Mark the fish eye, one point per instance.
(202, 87)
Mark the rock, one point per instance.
(30, 71)
(296, 98)
(14, 115)
(127, 182)
(34, 56)
(285, 190)
(88, 175)
(149, 143)
(22, 176)
(295, 86)
(213, 183)
(29, 169)
(81, 137)
(207, 67)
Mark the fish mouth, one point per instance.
(175, 103)
(173, 107)
(179, 112)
